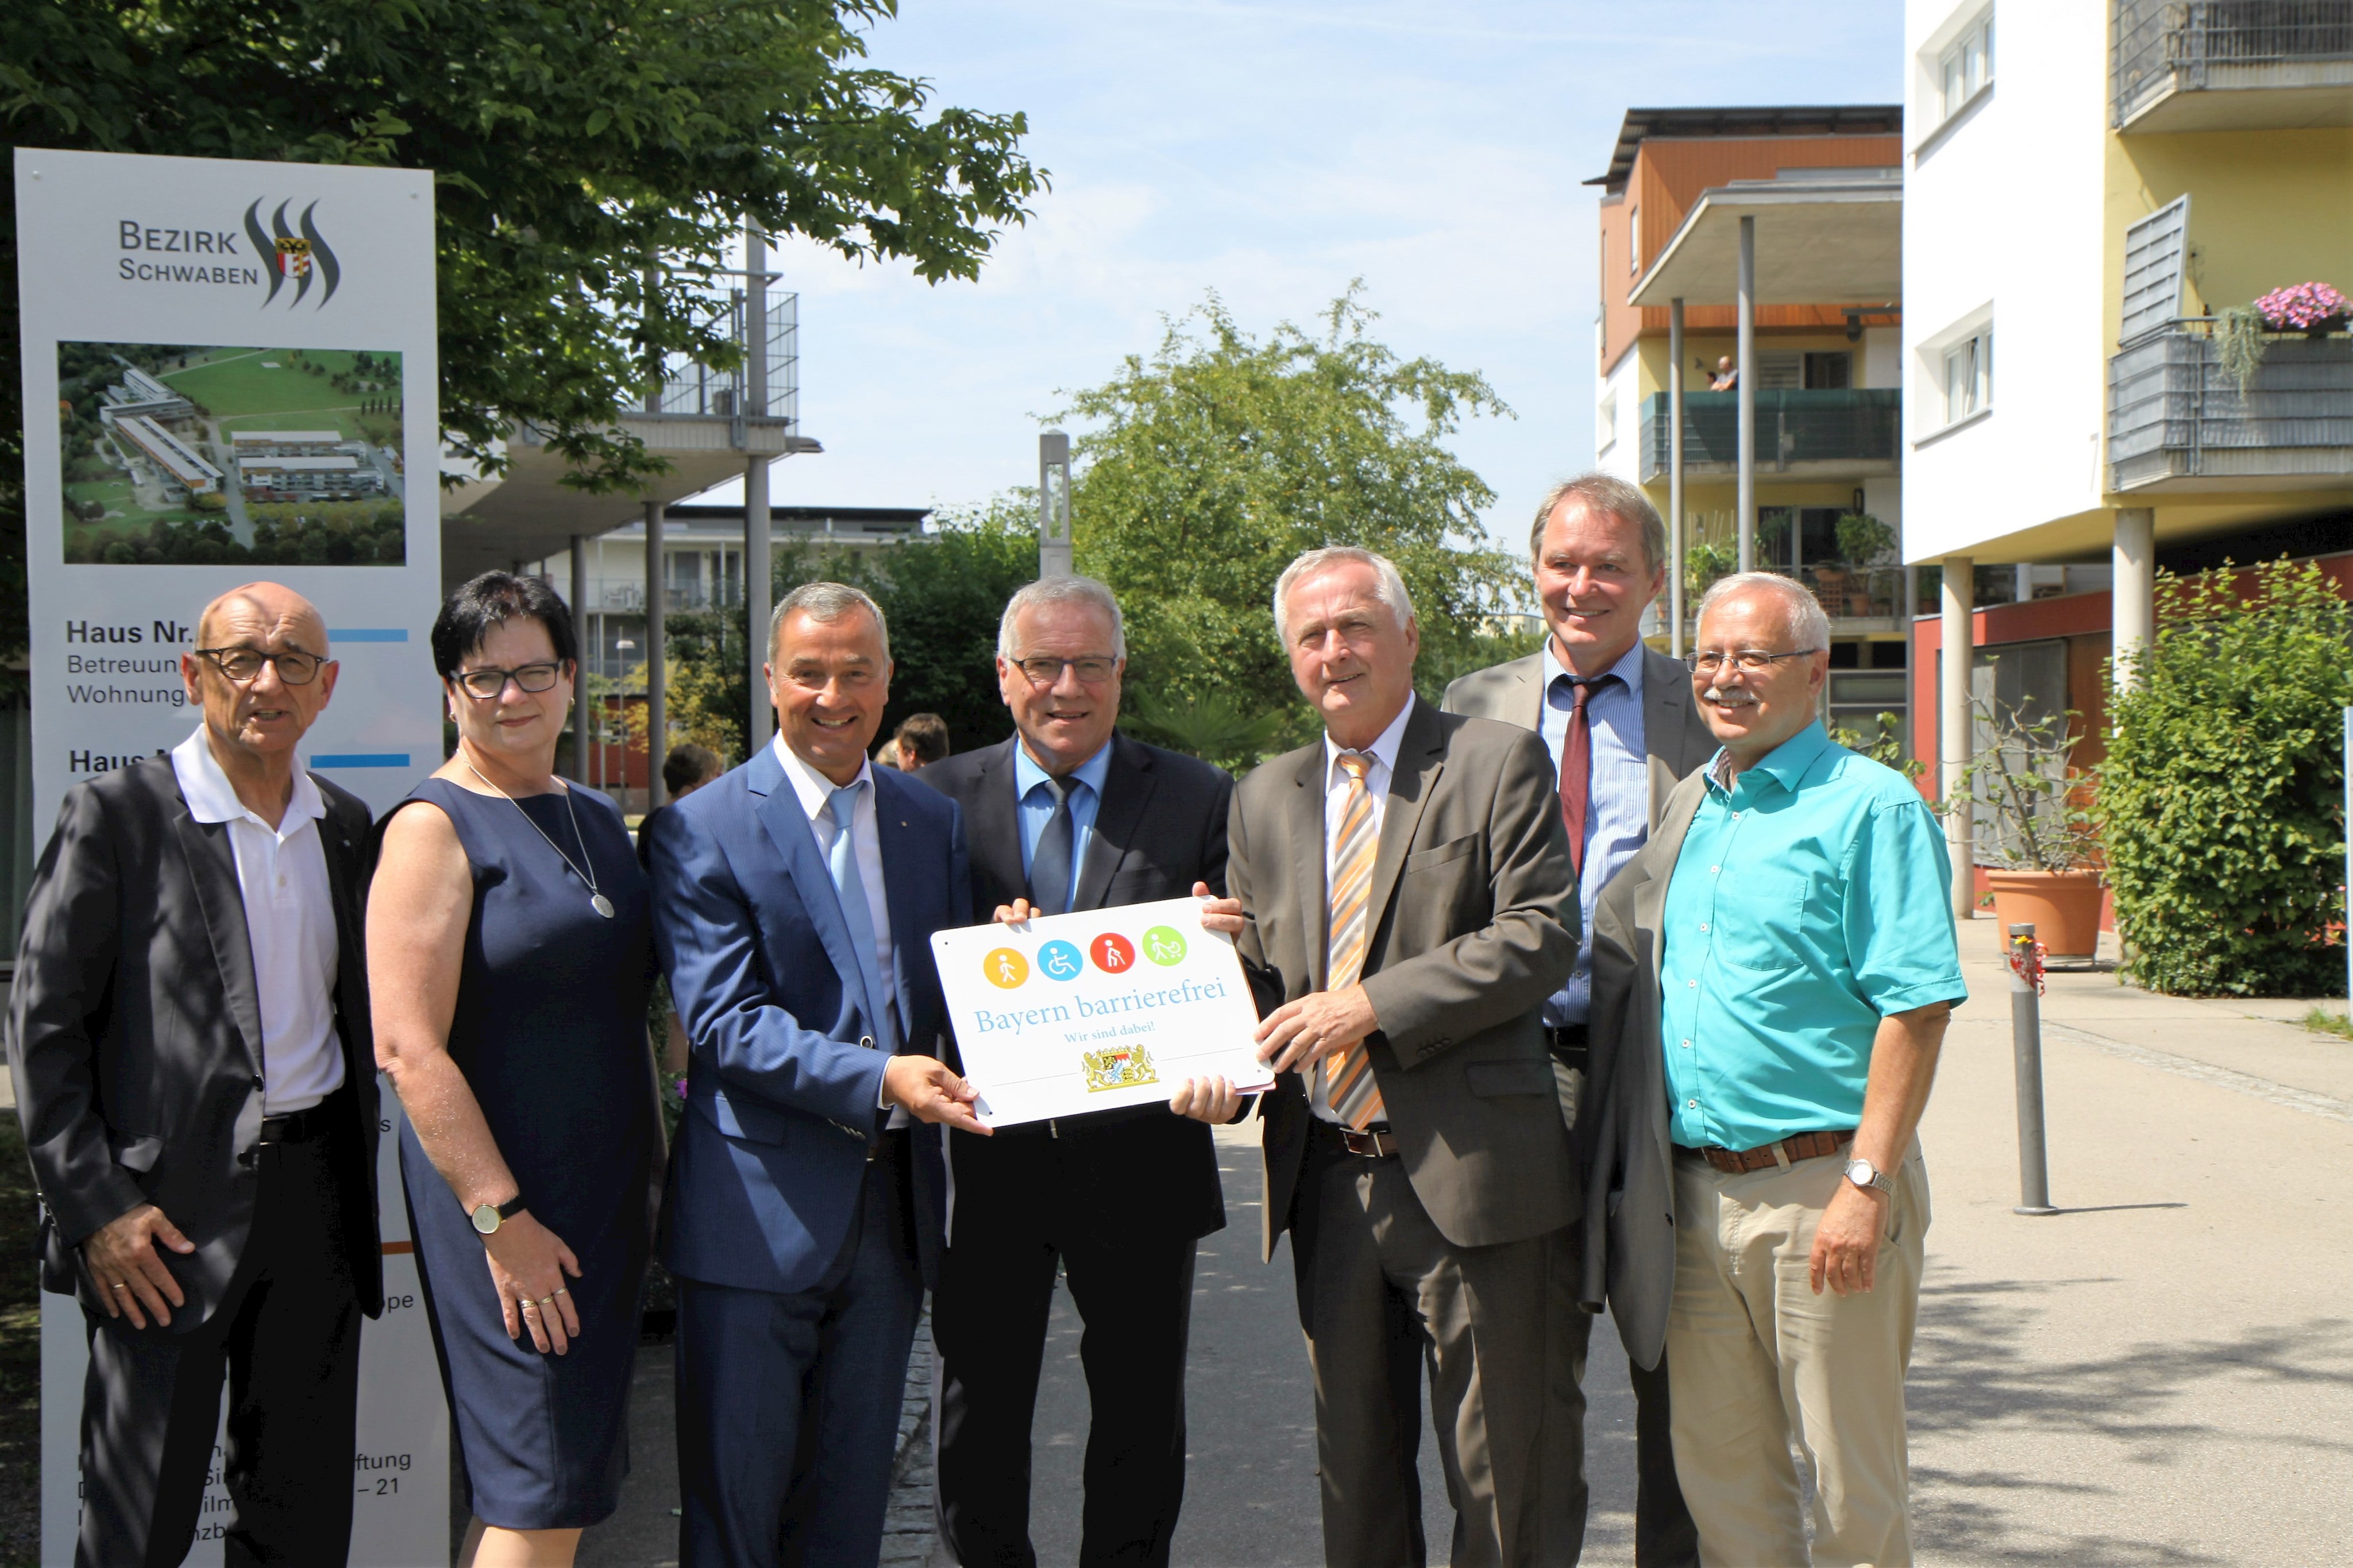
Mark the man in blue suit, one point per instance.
(794, 900)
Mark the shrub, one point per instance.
(2221, 800)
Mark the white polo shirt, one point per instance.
(290, 919)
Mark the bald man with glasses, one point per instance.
(188, 1033)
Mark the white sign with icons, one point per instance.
(1097, 1010)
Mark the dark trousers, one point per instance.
(788, 1405)
(1384, 1295)
(988, 1324)
(1664, 1535)
(287, 1336)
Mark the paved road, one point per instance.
(2160, 1373)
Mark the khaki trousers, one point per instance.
(1760, 1359)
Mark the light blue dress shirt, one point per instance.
(1618, 814)
(1038, 808)
(1810, 899)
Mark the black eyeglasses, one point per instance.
(1045, 671)
(1751, 660)
(488, 683)
(243, 664)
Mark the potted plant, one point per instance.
(2046, 852)
(2315, 310)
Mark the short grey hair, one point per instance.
(1807, 622)
(1388, 586)
(1062, 591)
(1612, 496)
(825, 602)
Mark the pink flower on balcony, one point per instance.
(2302, 307)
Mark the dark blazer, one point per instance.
(1673, 734)
(1630, 1189)
(1159, 827)
(135, 1031)
(1474, 922)
(782, 1097)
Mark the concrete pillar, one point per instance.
(580, 697)
(2133, 617)
(758, 524)
(1747, 394)
(657, 708)
(1675, 476)
(1956, 727)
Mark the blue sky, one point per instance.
(1271, 152)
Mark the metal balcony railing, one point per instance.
(688, 387)
(2168, 45)
(1812, 430)
(2175, 414)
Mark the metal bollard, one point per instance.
(2026, 1041)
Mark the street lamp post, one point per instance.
(1746, 395)
(1053, 504)
(757, 520)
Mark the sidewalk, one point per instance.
(2163, 1372)
(2160, 1373)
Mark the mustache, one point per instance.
(1729, 696)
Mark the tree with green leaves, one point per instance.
(1214, 462)
(592, 161)
(2221, 805)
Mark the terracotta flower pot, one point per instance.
(2062, 906)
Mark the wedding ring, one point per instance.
(120, 1286)
(560, 1290)
(543, 1300)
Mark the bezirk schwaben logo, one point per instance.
(298, 253)
(303, 258)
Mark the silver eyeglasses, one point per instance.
(1749, 660)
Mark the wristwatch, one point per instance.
(488, 1217)
(1870, 1178)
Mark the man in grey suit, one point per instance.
(1404, 888)
(1618, 721)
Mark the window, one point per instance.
(1969, 375)
(1830, 371)
(1634, 243)
(1605, 420)
(1966, 66)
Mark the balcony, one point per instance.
(2230, 65)
(2177, 422)
(1849, 434)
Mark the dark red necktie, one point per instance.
(1577, 766)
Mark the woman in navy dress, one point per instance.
(510, 951)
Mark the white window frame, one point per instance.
(1953, 376)
(1605, 420)
(1965, 66)
(1967, 378)
(1953, 71)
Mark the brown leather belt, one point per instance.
(1798, 1146)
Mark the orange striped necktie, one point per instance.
(1346, 1078)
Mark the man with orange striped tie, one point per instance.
(1404, 886)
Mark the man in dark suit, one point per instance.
(794, 902)
(1404, 884)
(1622, 731)
(1069, 815)
(188, 1032)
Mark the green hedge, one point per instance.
(2222, 800)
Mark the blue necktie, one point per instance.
(841, 862)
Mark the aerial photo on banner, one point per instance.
(183, 454)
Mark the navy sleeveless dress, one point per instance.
(550, 1031)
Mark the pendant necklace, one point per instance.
(596, 901)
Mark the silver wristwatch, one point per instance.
(1865, 1174)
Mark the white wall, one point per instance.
(2005, 208)
(1622, 457)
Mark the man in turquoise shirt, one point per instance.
(1807, 969)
